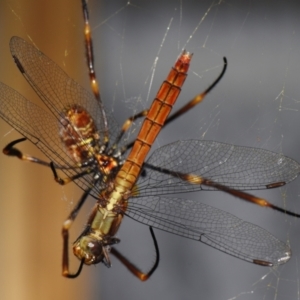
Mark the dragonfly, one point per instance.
(83, 141)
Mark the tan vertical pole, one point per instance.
(32, 205)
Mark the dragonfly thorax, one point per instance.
(106, 163)
(78, 133)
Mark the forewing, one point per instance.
(242, 168)
(56, 89)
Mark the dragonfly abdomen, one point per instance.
(154, 121)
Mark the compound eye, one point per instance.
(94, 248)
(88, 249)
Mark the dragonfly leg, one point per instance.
(63, 181)
(132, 268)
(199, 180)
(10, 150)
(90, 64)
(65, 233)
(128, 123)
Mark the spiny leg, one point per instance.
(128, 123)
(199, 180)
(90, 62)
(10, 150)
(65, 233)
(241, 194)
(132, 268)
(63, 181)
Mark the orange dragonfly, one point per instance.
(81, 140)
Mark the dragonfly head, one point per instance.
(93, 250)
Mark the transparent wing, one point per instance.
(56, 89)
(211, 226)
(242, 168)
(41, 128)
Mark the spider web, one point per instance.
(256, 104)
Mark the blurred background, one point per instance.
(256, 104)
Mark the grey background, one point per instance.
(255, 104)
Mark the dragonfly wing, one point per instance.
(242, 168)
(211, 226)
(41, 128)
(56, 89)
